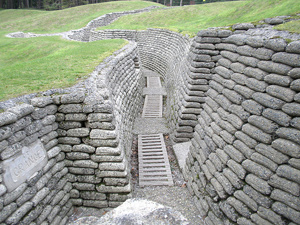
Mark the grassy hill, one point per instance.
(191, 19)
(39, 21)
(37, 64)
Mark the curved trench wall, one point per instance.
(235, 96)
(84, 34)
(243, 165)
(185, 75)
(165, 52)
(71, 149)
(240, 93)
(185, 67)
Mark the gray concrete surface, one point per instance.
(181, 151)
(154, 91)
(150, 126)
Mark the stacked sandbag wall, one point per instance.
(184, 65)
(71, 147)
(243, 165)
(84, 34)
(33, 184)
(185, 78)
(110, 17)
(95, 132)
(130, 35)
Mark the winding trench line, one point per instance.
(101, 21)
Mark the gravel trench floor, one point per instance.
(177, 197)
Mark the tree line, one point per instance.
(45, 4)
(62, 4)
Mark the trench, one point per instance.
(155, 171)
(164, 181)
(154, 166)
(233, 97)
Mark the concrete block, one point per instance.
(78, 132)
(282, 93)
(291, 109)
(286, 211)
(229, 211)
(256, 85)
(276, 44)
(258, 220)
(246, 200)
(257, 197)
(286, 198)
(262, 53)
(272, 67)
(287, 59)
(71, 108)
(257, 169)
(283, 81)
(285, 185)
(294, 73)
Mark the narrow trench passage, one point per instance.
(166, 185)
(155, 172)
(154, 166)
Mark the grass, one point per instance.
(292, 26)
(38, 64)
(191, 19)
(39, 21)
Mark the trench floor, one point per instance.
(177, 196)
(173, 193)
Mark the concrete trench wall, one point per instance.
(113, 34)
(185, 77)
(185, 69)
(240, 94)
(235, 96)
(71, 149)
(184, 66)
(165, 52)
(44, 194)
(243, 166)
(84, 34)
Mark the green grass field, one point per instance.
(191, 19)
(38, 64)
(38, 21)
(292, 26)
